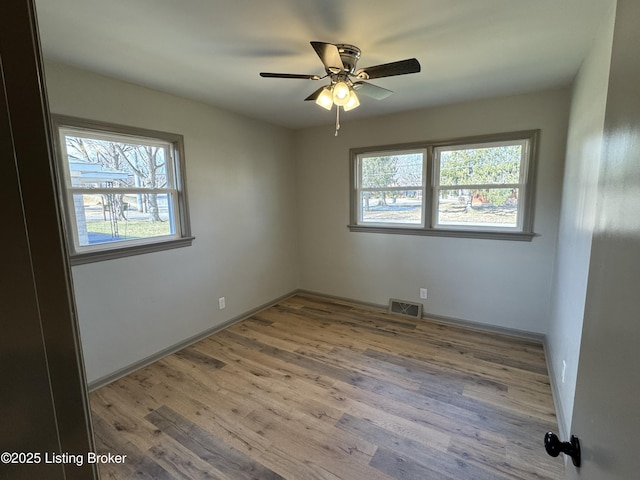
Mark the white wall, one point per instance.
(584, 146)
(499, 283)
(240, 178)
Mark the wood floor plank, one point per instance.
(224, 458)
(450, 466)
(402, 467)
(137, 464)
(472, 412)
(327, 390)
(199, 359)
(275, 420)
(441, 352)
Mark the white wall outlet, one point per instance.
(423, 293)
(221, 303)
(564, 369)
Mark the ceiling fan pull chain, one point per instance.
(337, 119)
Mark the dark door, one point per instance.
(43, 399)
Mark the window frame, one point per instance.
(428, 227)
(423, 188)
(175, 171)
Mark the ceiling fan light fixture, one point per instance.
(352, 103)
(325, 99)
(339, 61)
(341, 93)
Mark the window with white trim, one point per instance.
(123, 189)
(471, 187)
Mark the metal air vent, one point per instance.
(402, 307)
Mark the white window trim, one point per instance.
(176, 176)
(524, 231)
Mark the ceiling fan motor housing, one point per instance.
(349, 54)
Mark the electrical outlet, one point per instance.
(564, 369)
(221, 303)
(423, 293)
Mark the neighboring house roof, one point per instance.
(84, 172)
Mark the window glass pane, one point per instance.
(395, 206)
(113, 217)
(478, 166)
(402, 170)
(491, 207)
(102, 163)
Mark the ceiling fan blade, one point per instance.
(314, 95)
(370, 90)
(289, 75)
(329, 55)
(401, 67)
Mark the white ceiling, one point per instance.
(213, 50)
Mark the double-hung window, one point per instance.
(471, 187)
(123, 189)
(391, 187)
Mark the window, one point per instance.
(123, 189)
(472, 187)
(391, 187)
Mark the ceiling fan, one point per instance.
(340, 62)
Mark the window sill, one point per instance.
(102, 255)
(440, 232)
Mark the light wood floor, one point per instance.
(313, 389)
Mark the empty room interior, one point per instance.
(409, 281)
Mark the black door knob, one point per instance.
(554, 447)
